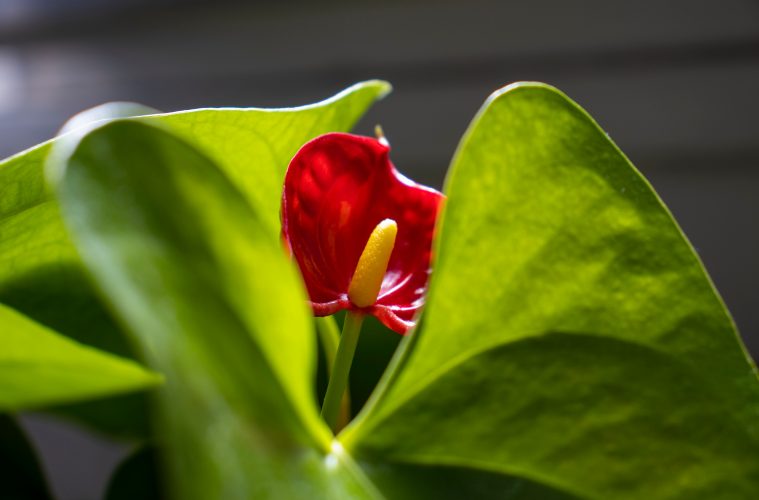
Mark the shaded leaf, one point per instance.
(40, 367)
(40, 272)
(406, 481)
(208, 293)
(571, 337)
(123, 416)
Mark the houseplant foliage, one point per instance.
(572, 345)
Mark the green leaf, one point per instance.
(207, 291)
(121, 416)
(571, 336)
(411, 481)
(21, 476)
(254, 146)
(40, 272)
(39, 367)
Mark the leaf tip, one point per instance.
(522, 86)
(381, 88)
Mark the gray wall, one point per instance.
(674, 83)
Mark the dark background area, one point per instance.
(674, 83)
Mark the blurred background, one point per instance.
(674, 83)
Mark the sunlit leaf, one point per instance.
(208, 293)
(571, 335)
(40, 367)
(40, 272)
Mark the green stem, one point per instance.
(341, 368)
(329, 336)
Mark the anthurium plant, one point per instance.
(173, 279)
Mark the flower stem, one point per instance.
(329, 336)
(338, 379)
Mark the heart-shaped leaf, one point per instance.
(571, 335)
(573, 345)
(40, 367)
(40, 272)
(207, 291)
(254, 146)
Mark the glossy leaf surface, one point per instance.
(253, 146)
(39, 269)
(40, 367)
(215, 304)
(571, 335)
(573, 346)
(40, 273)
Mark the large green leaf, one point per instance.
(254, 146)
(39, 270)
(40, 367)
(207, 291)
(40, 273)
(571, 335)
(41, 276)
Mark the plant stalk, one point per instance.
(329, 337)
(338, 380)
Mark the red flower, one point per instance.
(340, 189)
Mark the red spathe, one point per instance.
(338, 187)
